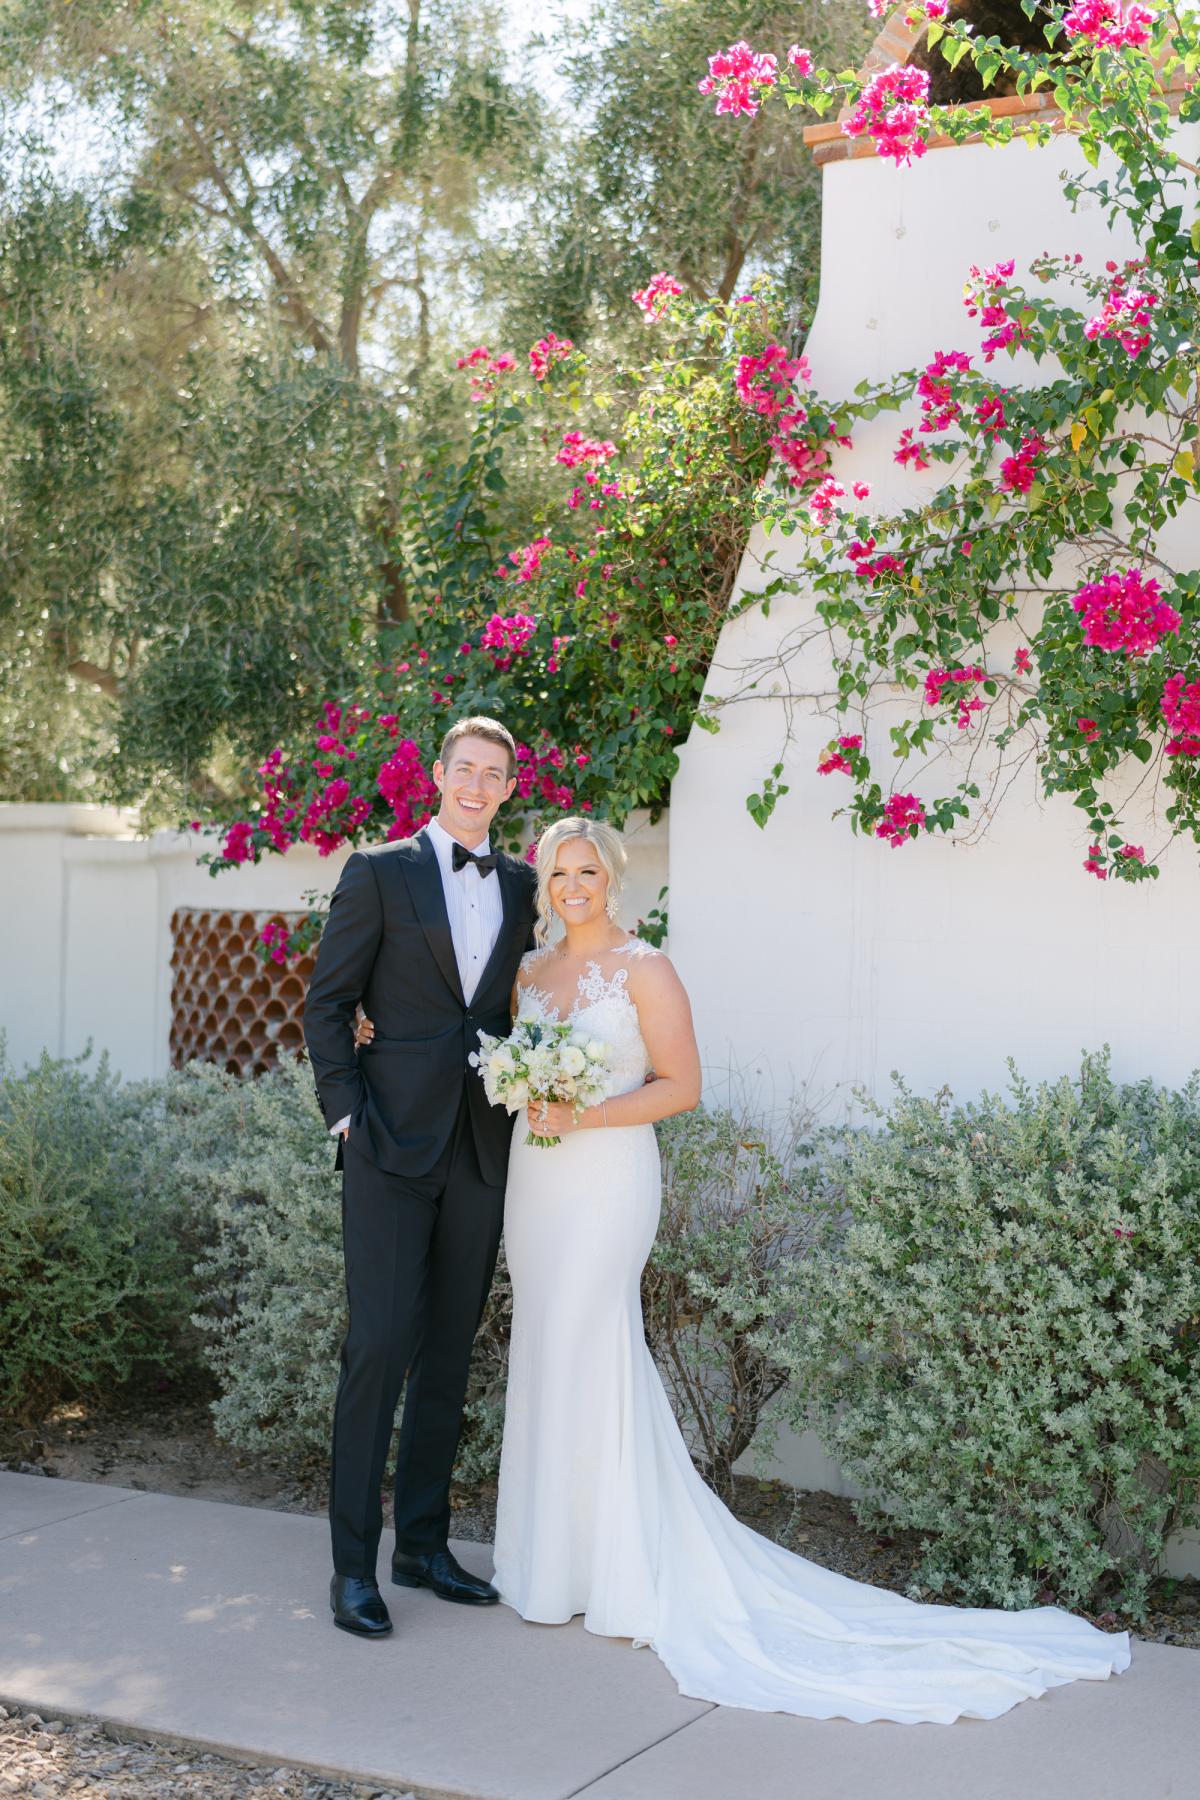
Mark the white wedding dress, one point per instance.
(601, 1512)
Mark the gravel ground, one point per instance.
(44, 1757)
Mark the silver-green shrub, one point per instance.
(95, 1248)
(1004, 1350)
(272, 1302)
(739, 1212)
(271, 1290)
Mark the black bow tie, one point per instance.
(461, 856)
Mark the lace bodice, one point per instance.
(602, 1007)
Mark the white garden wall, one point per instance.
(817, 960)
(85, 910)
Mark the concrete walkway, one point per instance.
(210, 1623)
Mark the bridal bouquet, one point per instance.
(536, 1062)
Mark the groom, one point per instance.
(427, 933)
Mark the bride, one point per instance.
(600, 1511)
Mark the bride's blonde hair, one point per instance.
(610, 854)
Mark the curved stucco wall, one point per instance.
(822, 959)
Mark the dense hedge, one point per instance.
(990, 1312)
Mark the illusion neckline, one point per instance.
(592, 987)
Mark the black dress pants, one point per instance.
(420, 1254)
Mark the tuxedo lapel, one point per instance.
(510, 894)
(425, 885)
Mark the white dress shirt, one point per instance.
(475, 909)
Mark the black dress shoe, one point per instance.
(438, 1570)
(358, 1606)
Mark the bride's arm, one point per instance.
(665, 1017)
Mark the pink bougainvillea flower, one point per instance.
(657, 295)
(939, 408)
(1094, 864)
(1017, 473)
(936, 680)
(579, 451)
(892, 109)
(1132, 853)
(538, 774)
(834, 761)
(991, 312)
(1125, 316)
(861, 490)
(528, 560)
(823, 499)
(546, 352)
(1087, 728)
(868, 566)
(1124, 612)
(804, 459)
(1107, 22)
(764, 382)
(1022, 662)
(238, 843)
(903, 814)
(739, 77)
(506, 636)
(1181, 709)
(408, 788)
(907, 451)
(990, 413)
(484, 369)
(801, 60)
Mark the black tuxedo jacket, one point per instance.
(387, 943)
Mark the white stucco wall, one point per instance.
(86, 904)
(819, 961)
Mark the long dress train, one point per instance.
(601, 1512)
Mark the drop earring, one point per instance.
(610, 907)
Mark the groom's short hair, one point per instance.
(480, 726)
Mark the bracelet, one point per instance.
(604, 1110)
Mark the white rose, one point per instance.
(572, 1060)
(596, 1050)
(517, 1096)
(500, 1062)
